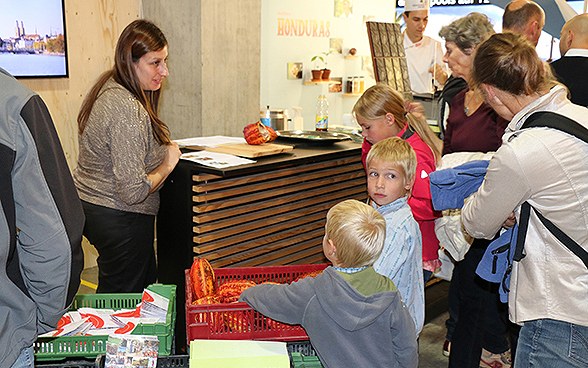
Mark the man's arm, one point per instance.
(49, 216)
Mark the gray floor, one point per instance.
(431, 339)
(431, 344)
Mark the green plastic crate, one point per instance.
(64, 347)
(299, 360)
(303, 355)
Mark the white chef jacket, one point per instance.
(421, 57)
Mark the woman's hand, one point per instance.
(510, 221)
(439, 74)
(162, 171)
(173, 155)
(414, 108)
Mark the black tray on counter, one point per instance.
(312, 136)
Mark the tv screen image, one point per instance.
(32, 38)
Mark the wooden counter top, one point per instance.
(302, 154)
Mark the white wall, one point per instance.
(276, 51)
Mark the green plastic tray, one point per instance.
(64, 347)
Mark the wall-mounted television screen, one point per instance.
(32, 38)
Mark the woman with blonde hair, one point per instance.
(382, 113)
(125, 156)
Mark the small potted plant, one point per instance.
(317, 72)
(326, 72)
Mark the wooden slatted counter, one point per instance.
(268, 213)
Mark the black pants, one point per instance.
(124, 240)
(482, 320)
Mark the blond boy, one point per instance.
(391, 166)
(354, 317)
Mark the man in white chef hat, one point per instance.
(424, 55)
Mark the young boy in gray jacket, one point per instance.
(354, 317)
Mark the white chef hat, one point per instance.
(414, 5)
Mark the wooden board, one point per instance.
(250, 151)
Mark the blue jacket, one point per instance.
(450, 187)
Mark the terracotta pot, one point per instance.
(317, 75)
(326, 74)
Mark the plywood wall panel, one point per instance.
(92, 30)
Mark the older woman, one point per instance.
(472, 126)
(547, 169)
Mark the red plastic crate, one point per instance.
(238, 321)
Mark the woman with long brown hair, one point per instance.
(125, 156)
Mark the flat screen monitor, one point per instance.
(33, 39)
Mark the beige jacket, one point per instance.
(549, 169)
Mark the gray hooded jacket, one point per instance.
(346, 328)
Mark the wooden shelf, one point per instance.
(352, 56)
(311, 82)
(352, 94)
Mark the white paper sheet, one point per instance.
(214, 141)
(214, 159)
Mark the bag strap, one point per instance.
(565, 124)
(564, 238)
(556, 121)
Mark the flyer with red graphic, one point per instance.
(93, 321)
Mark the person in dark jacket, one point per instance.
(354, 317)
(574, 59)
(41, 224)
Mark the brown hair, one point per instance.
(380, 99)
(136, 40)
(509, 62)
(358, 232)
